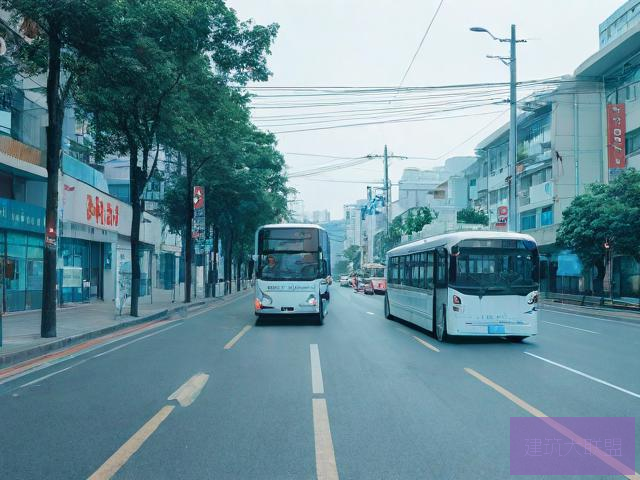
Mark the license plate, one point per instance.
(496, 328)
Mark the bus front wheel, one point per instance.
(441, 326)
(321, 311)
(387, 309)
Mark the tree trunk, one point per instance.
(215, 260)
(136, 208)
(188, 239)
(228, 250)
(238, 270)
(55, 113)
(598, 282)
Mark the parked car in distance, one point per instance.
(345, 281)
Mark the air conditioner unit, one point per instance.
(524, 194)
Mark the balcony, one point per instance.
(21, 151)
(541, 193)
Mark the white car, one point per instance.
(344, 280)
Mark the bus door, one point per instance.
(441, 290)
(429, 285)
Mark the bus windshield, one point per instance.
(288, 254)
(495, 271)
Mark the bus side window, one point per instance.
(441, 272)
(407, 269)
(415, 270)
(422, 267)
(429, 275)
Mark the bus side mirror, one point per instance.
(325, 268)
(455, 250)
(252, 265)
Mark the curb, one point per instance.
(13, 358)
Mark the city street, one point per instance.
(359, 397)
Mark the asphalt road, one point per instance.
(360, 397)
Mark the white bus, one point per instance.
(293, 270)
(466, 283)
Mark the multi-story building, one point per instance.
(353, 220)
(320, 216)
(619, 22)
(94, 260)
(616, 69)
(336, 231)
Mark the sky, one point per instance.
(370, 43)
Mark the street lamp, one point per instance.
(513, 124)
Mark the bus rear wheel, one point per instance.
(516, 339)
(321, 312)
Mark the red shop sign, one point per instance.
(104, 215)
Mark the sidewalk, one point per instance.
(77, 322)
(609, 313)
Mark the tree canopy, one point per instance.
(471, 215)
(605, 218)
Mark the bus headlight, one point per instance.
(532, 298)
(312, 300)
(266, 299)
(457, 300)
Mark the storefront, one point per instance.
(90, 220)
(21, 255)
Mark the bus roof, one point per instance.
(447, 240)
(292, 225)
(372, 265)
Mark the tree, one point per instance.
(252, 192)
(207, 115)
(417, 219)
(341, 267)
(604, 216)
(125, 91)
(60, 41)
(353, 255)
(471, 215)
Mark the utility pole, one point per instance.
(513, 135)
(387, 196)
(387, 184)
(510, 61)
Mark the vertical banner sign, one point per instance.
(503, 215)
(198, 229)
(616, 129)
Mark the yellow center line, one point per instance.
(131, 446)
(326, 468)
(611, 461)
(189, 391)
(233, 341)
(426, 344)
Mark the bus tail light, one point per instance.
(312, 300)
(456, 300)
(258, 304)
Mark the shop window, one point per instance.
(6, 185)
(19, 189)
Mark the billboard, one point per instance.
(616, 129)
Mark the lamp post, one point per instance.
(510, 61)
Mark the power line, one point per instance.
(405, 120)
(421, 42)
